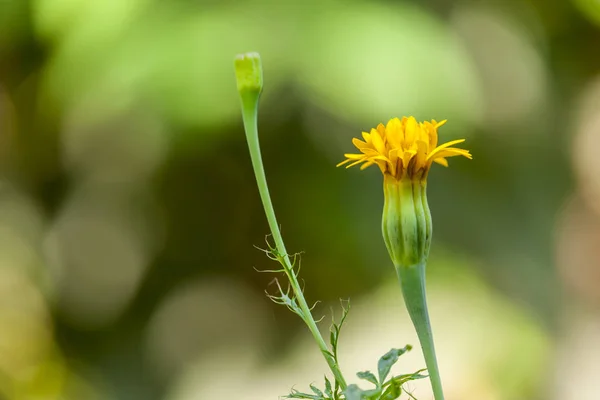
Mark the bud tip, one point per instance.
(248, 71)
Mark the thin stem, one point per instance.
(412, 280)
(249, 111)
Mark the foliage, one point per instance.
(384, 389)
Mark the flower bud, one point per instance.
(249, 75)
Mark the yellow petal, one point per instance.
(421, 153)
(452, 152)
(433, 136)
(442, 147)
(355, 163)
(343, 162)
(441, 161)
(379, 157)
(410, 132)
(359, 144)
(353, 156)
(423, 132)
(438, 124)
(383, 166)
(394, 133)
(377, 141)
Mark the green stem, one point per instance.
(412, 280)
(249, 112)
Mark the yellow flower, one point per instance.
(404, 151)
(404, 148)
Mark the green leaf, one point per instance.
(316, 390)
(368, 376)
(334, 335)
(387, 361)
(393, 391)
(328, 353)
(402, 379)
(299, 395)
(328, 391)
(411, 396)
(336, 389)
(353, 392)
(394, 386)
(372, 394)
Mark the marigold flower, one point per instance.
(404, 151)
(404, 147)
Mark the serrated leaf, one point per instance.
(299, 395)
(387, 361)
(353, 392)
(402, 379)
(316, 390)
(334, 335)
(410, 395)
(328, 391)
(393, 391)
(336, 389)
(328, 353)
(368, 376)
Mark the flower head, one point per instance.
(404, 150)
(403, 147)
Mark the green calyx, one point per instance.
(406, 222)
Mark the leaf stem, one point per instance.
(249, 113)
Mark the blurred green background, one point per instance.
(129, 211)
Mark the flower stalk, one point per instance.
(248, 70)
(412, 281)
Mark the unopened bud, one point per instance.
(248, 72)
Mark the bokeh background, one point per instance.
(129, 211)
